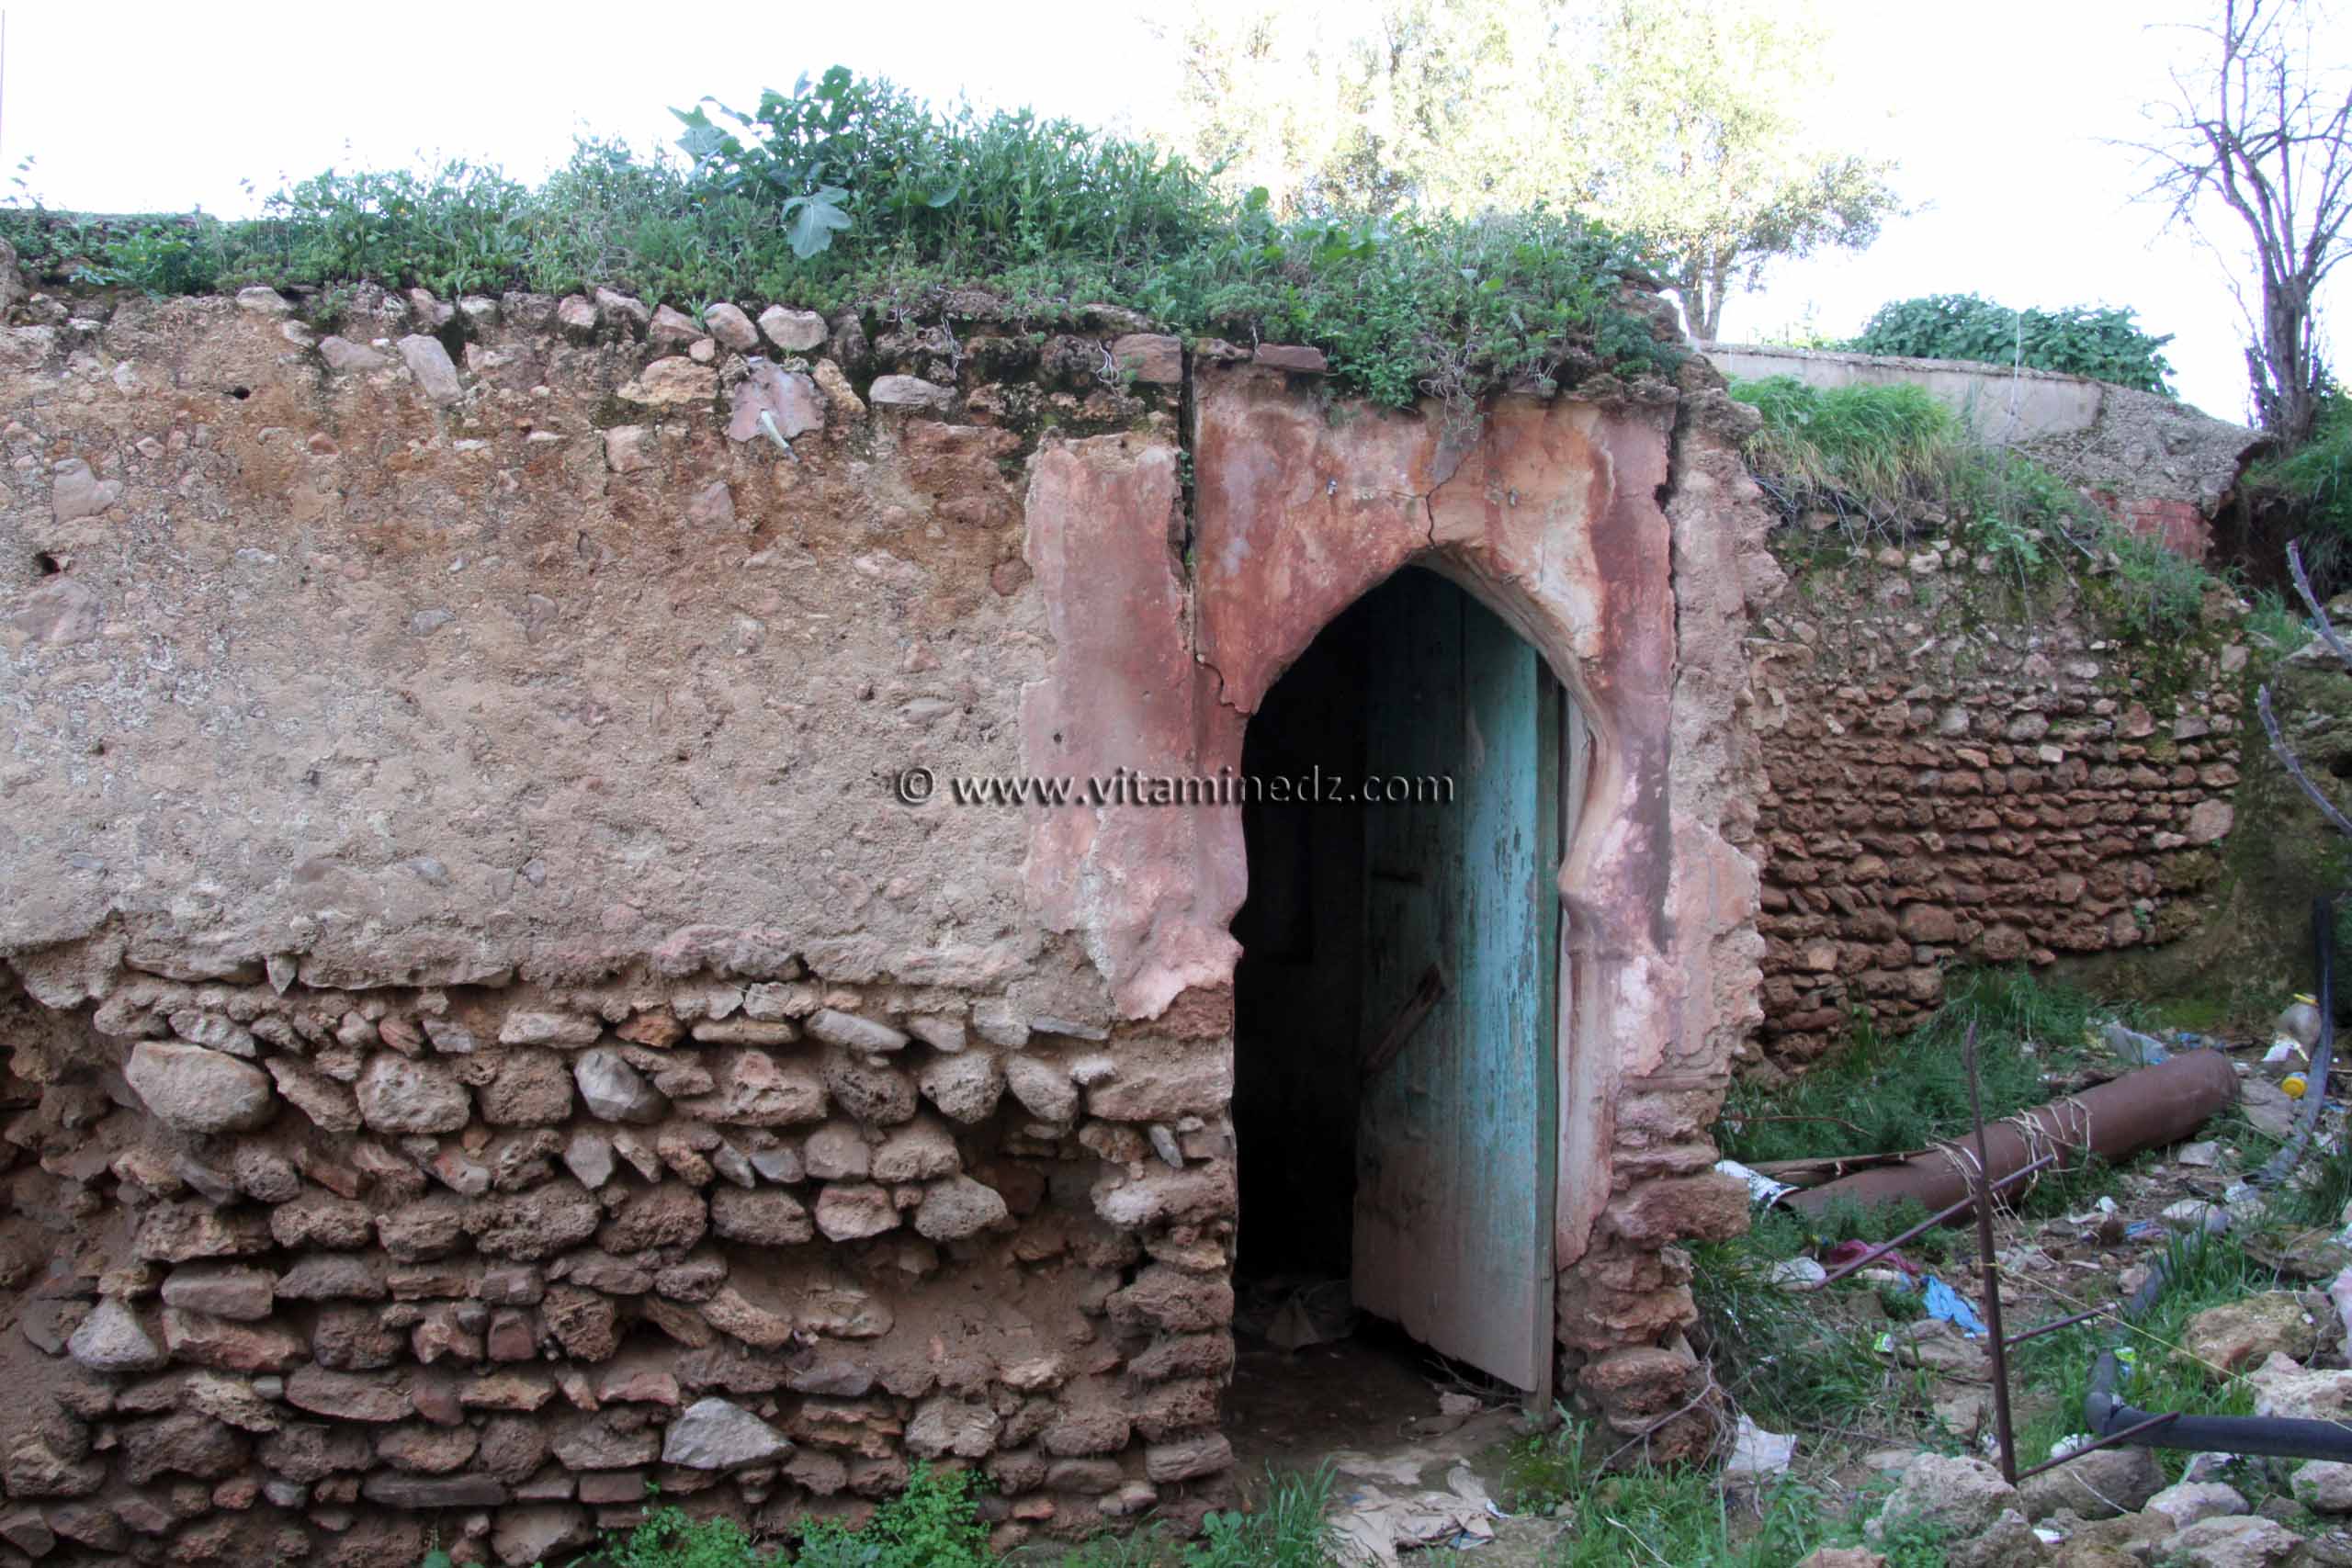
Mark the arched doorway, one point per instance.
(1396, 1085)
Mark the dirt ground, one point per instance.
(1391, 1417)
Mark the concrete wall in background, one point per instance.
(2162, 468)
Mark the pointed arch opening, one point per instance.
(1396, 1007)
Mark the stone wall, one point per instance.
(1962, 773)
(2161, 468)
(490, 1033)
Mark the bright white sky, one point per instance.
(1995, 112)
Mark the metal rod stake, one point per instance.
(1989, 1261)
(2108, 1441)
(1931, 1222)
(2053, 1327)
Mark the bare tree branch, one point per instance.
(2264, 129)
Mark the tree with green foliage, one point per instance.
(2263, 125)
(1680, 121)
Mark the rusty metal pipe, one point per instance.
(2161, 1104)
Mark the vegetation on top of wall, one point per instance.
(2101, 341)
(1887, 449)
(848, 191)
(2314, 487)
(1891, 460)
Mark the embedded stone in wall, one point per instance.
(1953, 784)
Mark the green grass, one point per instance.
(1880, 457)
(849, 192)
(2204, 1273)
(1680, 1515)
(1884, 449)
(1885, 1094)
(2315, 484)
(1783, 1357)
(2276, 625)
(1286, 1530)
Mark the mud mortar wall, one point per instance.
(1959, 774)
(486, 1036)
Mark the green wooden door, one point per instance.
(1455, 1154)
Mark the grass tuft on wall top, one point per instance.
(848, 191)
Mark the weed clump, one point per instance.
(849, 192)
(1890, 1094)
(1884, 458)
(931, 1524)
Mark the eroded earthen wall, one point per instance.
(1957, 776)
(489, 1033)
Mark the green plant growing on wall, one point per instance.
(1882, 450)
(847, 192)
(931, 1524)
(1885, 458)
(2103, 343)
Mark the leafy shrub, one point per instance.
(849, 192)
(2100, 341)
(931, 1524)
(458, 230)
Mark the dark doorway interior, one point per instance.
(1298, 994)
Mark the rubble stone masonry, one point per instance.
(1958, 775)
(485, 1037)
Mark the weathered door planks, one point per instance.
(1454, 1155)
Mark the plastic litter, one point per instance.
(1757, 1452)
(1372, 1526)
(1845, 1252)
(2132, 1045)
(2300, 1021)
(1762, 1190)
(1797, 1274)
(2195, 1214)
(1943, 1302)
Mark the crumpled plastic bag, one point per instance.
(1943, 1302)
(1370, 1527)
(1755, 1453)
